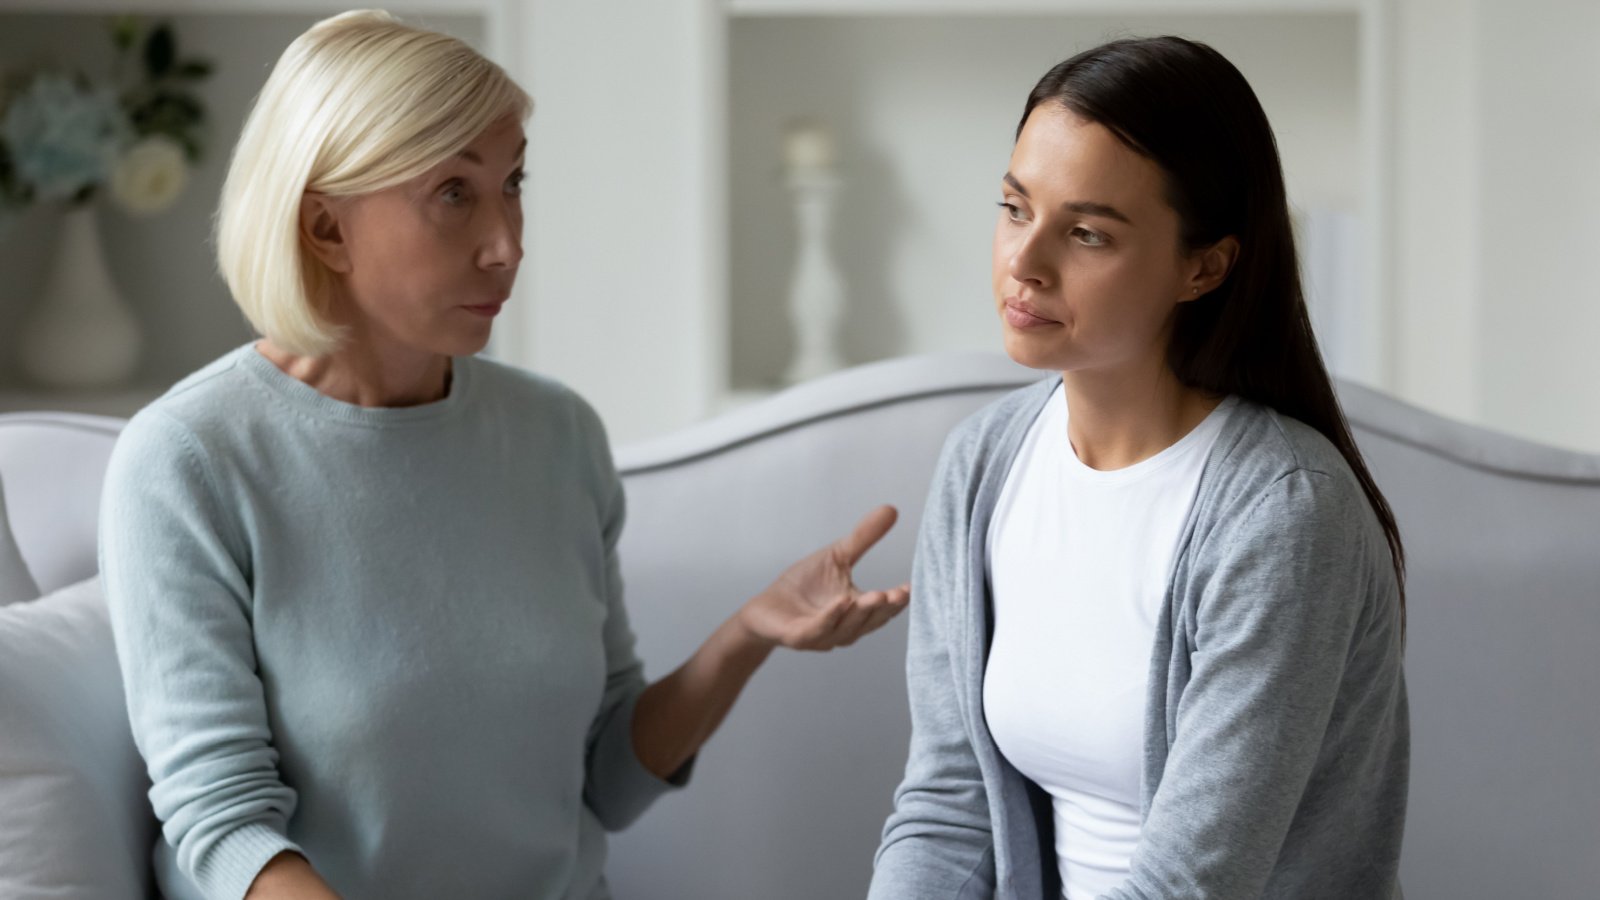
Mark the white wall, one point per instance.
(1436, 289)
(1538, 130)
(624, 185)
(924, 109)
(1496, 306)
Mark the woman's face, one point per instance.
(1088, 266)
(427, 264)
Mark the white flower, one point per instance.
(149, 176)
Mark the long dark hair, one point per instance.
(1181, 104)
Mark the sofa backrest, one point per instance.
(789, 798)
(52, 465)
(1502, 656)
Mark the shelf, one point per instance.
(922, 110)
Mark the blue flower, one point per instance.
(62, 137)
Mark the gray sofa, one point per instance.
(789, 797)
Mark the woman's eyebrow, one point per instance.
(1083, 207)
(1090, 208)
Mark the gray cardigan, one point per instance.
(1276, 743)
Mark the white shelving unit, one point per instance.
(924, 168)
(627, 291)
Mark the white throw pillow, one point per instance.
(75, 818)
(16, 583)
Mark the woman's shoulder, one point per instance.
(1260, 444)
(213, 386)
(986, 429)
(213, 398)
(1264, 457)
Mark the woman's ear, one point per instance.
(1211, 267)
(322, 230)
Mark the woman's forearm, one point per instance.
(677, 714)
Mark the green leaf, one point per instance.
(160, 50)
(180, 106)
(124, 32)
(194, 69)
(167, 112)
(8, 185)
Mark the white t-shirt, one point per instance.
(1078, 562)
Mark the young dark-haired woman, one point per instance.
(1156, 640)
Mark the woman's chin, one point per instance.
(464, 342)
(1028, 350)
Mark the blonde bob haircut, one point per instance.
(359, 103)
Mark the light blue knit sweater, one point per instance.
(393, 639)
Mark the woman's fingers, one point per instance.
(875, 609)
(852, 623)
(895, 600)
(867, 532)
(848, 618)
(879, 618)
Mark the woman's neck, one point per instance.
(361, 375)
(1117, 419)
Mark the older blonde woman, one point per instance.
(364, 585)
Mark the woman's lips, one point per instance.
(1020, 315)
(489, 309)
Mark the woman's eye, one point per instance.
(514, 183)
(1013, 212)
(453, 193)
(1089, 238)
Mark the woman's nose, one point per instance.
(1029, 264)
(503, 247)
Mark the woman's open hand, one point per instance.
(815, 604)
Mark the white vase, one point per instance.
(816, 291)
(81, 333)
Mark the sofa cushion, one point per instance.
(16, 584)
(75, 820)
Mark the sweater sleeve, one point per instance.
(938, 843)
(1279, 608)
(617, 786)
(180, 607)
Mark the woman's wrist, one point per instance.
(289, 875)
(742, 634)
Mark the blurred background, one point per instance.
(727, 195)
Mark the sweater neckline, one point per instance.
(307, 399)
(1204, 432)
(997, 464)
